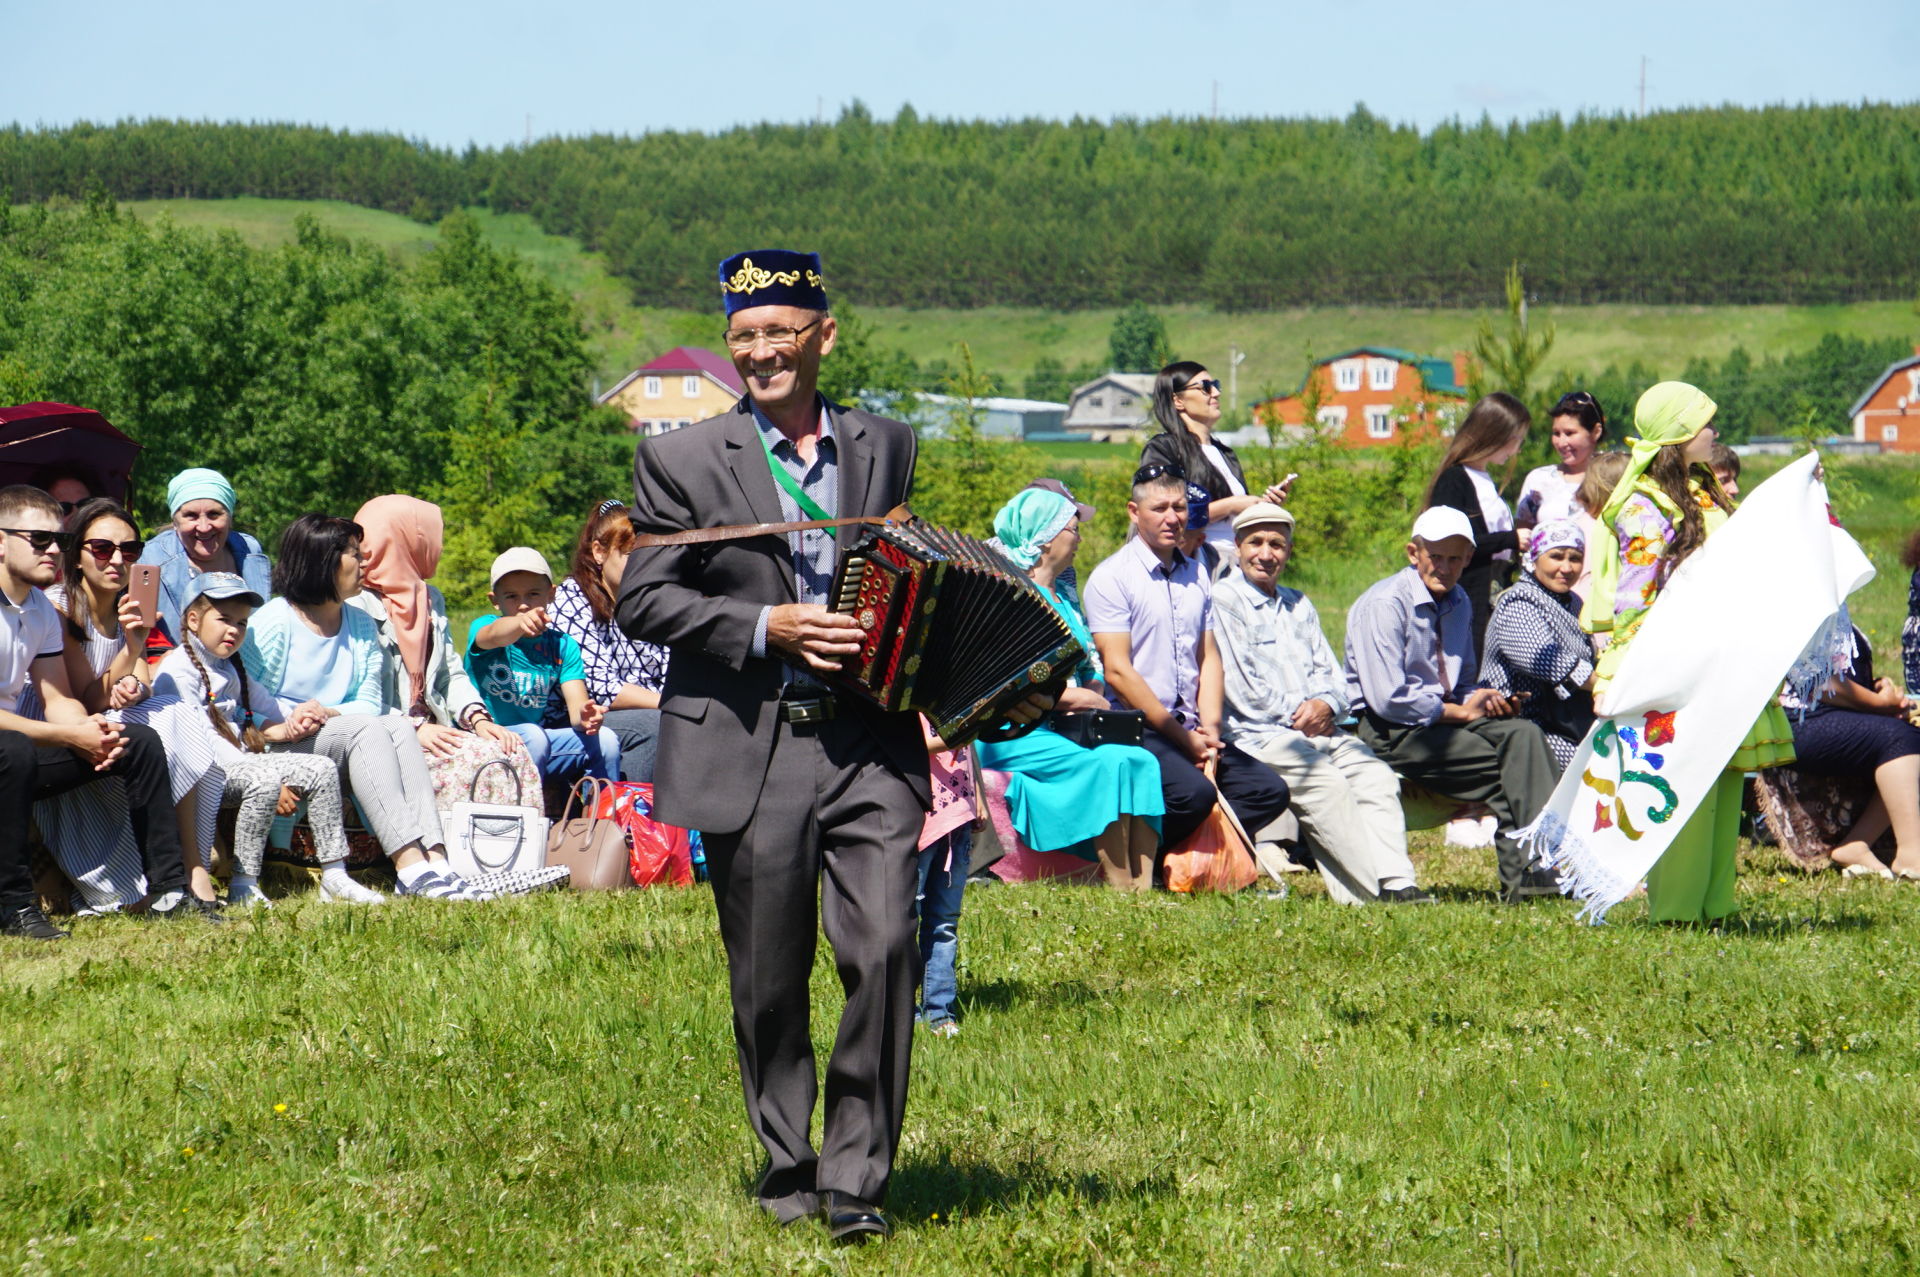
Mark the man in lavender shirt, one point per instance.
(1150, 609)
(1412, 681)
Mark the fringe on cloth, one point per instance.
(1557, 850)
(1827, 655)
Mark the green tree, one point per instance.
(1511, 358)
(1139, 341)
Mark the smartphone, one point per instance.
(143, 587)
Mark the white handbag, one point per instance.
(492, 838)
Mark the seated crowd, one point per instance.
(326, 679)
(329, 678)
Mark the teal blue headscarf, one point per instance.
(199, 484)
(1027, 523)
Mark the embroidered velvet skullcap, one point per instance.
(773, 277)
(1561, 534)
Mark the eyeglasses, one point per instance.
(40, 538)
(778, 336)
(1147, 474)
(102, 549)
(1206, 386)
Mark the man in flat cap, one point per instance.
(811, 804)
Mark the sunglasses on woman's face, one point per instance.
(1207, 386)
(102, 549)
(40, 539)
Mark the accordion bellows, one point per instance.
(949, 628)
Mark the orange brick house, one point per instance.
(685, 385)
(1889, 413)
(1377, 394)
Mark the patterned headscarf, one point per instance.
(1559, 535)
(1024, 525)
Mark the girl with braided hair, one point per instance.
(217, 724)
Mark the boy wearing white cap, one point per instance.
(1412, 678)
(516, 660)
(1285, 694)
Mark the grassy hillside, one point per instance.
(1007, 341)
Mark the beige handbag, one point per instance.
(594, 850)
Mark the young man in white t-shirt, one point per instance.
(67, 747)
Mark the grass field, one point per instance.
(1008, 341)
(1142, 1085)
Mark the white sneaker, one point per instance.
(247, 898)
(351, 893)
(1469, 831)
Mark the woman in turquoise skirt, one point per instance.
(1664, 507)
(1066, 797)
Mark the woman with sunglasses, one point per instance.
(1186, 403)
(202, 539)
(89, 829)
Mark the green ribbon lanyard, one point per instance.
(784, 477)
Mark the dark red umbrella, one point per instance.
(37, 436)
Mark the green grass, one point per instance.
(1143, 1085)
(1007, 341)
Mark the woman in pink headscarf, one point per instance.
(426, 678)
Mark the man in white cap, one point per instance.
(1412, 680)
(1285, 695)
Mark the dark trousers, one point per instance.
(29, 772)
(1252, 790)
(834, 838)
(639, 733)
(1502, 762)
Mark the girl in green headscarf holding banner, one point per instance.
(1663, 509)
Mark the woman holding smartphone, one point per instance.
(90, 830)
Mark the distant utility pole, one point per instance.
(529, 128)
(1235, 357)
(1216, 99)
(1643, 84)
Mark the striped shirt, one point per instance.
(814, 553)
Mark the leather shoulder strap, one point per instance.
(741, 531)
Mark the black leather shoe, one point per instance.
(29, 923)
(1406, 896)
(851, 1221)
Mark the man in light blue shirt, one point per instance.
(1285, 694)
(1411, 680)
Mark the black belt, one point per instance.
(814, 709)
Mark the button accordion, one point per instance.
(949, 628)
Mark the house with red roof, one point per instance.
(1374, 395)
(1889, 413)
(685, 385)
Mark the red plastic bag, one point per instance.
(657, 855)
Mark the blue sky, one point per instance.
(478, 70)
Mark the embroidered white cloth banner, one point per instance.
(1713, 650)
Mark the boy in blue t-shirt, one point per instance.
(515, 661)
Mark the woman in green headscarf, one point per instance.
(1663, 509)
(1104, 800)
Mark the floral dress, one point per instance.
(1646, 526)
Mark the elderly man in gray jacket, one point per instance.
(1285, 695)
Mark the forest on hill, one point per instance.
(1711, 206)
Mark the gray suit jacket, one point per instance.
(717, 710)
